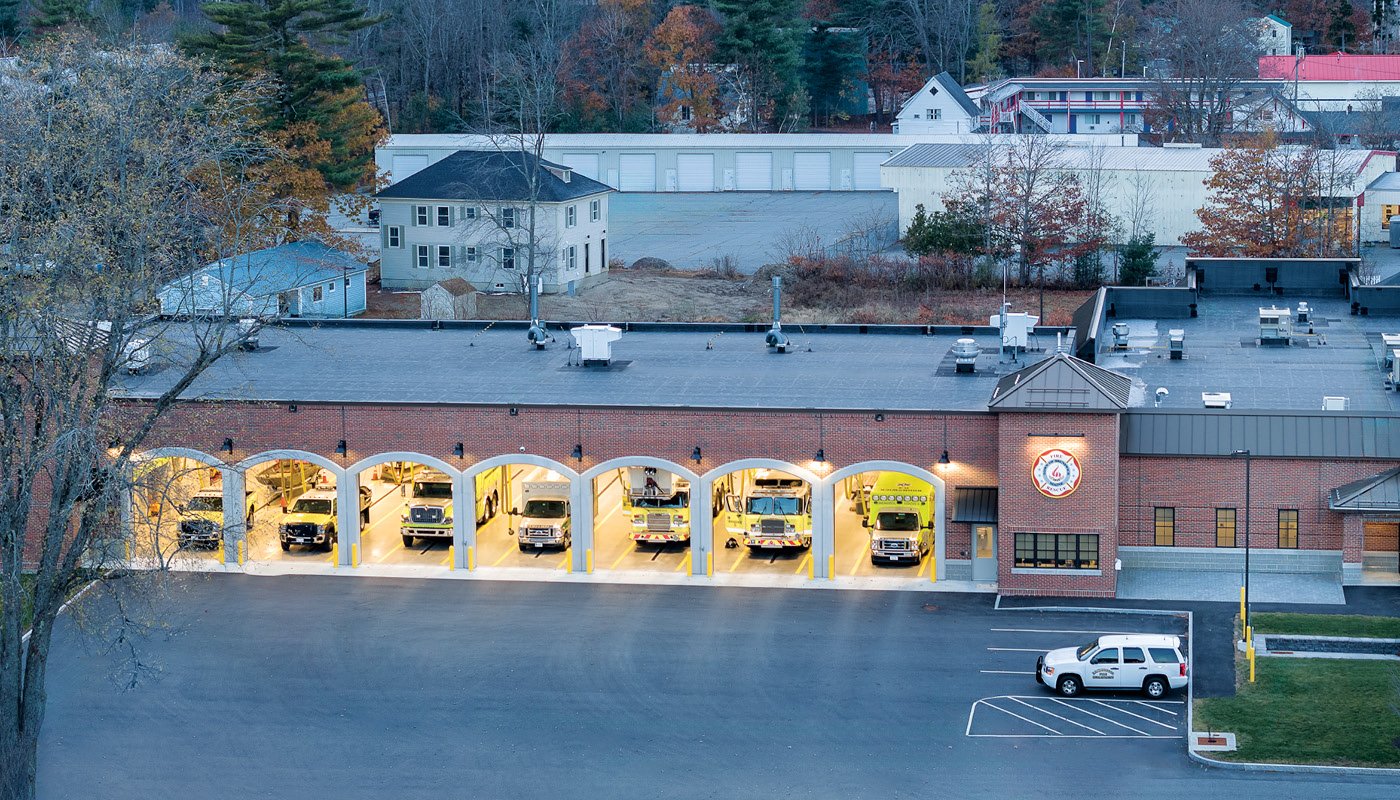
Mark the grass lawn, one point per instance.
(1313, 710)
(1326, 625)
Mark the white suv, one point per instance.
(1151, 663)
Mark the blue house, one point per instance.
(299, 279)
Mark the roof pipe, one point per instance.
(775, 338)
(536, 334)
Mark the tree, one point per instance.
(1267, 201)
(122, 171)
(681, 49)
(57, 13)
(944, 31)
(9, 19)
(956, 229)
(830, 59)
(606, 66)
(760, 37)
(317, 111)
(984, 65)
(1139, 255)
(1207, 49)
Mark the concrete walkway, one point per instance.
(1264, 587)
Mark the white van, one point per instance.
(1151, 663)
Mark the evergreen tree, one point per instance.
(317, 108)
(761, 38)
(1073, 30)
(1139, 260)
(1341, 30)
(55, 13)
(984, 65)
(830, 60)
(9, 19)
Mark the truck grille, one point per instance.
(658, 522)
(772, 526)
(893, 544)
(196, 527)
(539, 533)
(301, 529)
(425, 516)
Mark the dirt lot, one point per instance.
(682, 297)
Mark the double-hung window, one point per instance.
(1225, 527)
(507, 218)
(394, 236)
(1288, 528)
(594, 211)
(570, 216)
(421, 256)
(444, 216)
(444, 256)
(508, 258)
(1164, 527)
(420, 216)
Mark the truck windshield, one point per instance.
(677, 500)
(432, 490)
(774, 506)
(206, 504)
(1083, 652)
(897, 521)
(546, 509)
(304, 506)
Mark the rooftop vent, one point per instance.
(1336, 404)
(965, 355)
(1216, 399)
(775, 338)
(1275, 326)
(248, 333)
(1176, 343)
(1016, 330)
(1304, 314)
(138, 355)
(595, 343)
(1120, 336)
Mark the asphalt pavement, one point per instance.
(314, 687)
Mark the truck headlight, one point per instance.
(1049, 670)
(404, 518)
(788, 527)
(638, 518)
(447, 520)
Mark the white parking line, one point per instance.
(1057, 716)
(1043, 630)
(1131, 714)
(1105, 719)
(1155, 708)
(1004, 711)
(1017, 649)
(1005, 672)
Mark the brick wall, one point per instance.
(1092, 508)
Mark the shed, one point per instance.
(453, 298)
(298, 279)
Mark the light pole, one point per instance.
(1247, 459)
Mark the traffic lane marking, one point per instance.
(1057, 716)
(1131, 714)
(1033, 705)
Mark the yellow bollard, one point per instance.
(1241, 605)
(335, 554)
(588, 560)
(223, 554)
(831, 567)
(1251, 663)
(1249, 637)
(710, 565)
(471, 558)
(241, 549)
(127, 545)
(932, 570)
(451, 557)
(354, 554)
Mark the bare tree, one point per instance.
(1140, 206)
(118, 170)
(1205, 51)
(944, 30)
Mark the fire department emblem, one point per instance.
(1056, 473)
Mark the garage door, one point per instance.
(754, 172)
(695, 172)
(868, 170)
(811, 171)
(585, 164)
(404, 165)
(637, 172)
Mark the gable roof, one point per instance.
(1380, 492)
(491, 175)
(951, 87)
(280, 269)
(1062, 382)
(457, 287)
(1280, 20)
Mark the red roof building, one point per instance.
(1331, 67)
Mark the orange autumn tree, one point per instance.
(1268, 201)
(605, 69)
(682, 48)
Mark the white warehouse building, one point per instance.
(1175, 177)
(702, 162)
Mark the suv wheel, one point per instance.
(407, 540)
(1154, 687)
(1069, 685)
(286, 546)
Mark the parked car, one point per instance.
(1150, 663)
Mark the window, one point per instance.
(394, 236)
(1386, 213)
(1225, 527)
(587, 266)
(421, 256)
(1164, 527)
(603, 252)
(330, 288)
(316, 294)
(931, 113)
(471, 255)
(1164, 655)
(508, 258)
(469, 213)
(1288, 528)
(1057, 551)
(444, 216)
(1108, 656)
(570, 216)
(420, 216)
(507, 218)
(594, 211)
(685, 113)
(1134, 655)
(571, 257)
(444, 256)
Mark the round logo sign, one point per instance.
(1056, 473)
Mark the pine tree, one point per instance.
(56, 13)
(317, 107)
(761, 37)
(9, 19)
(984, 65)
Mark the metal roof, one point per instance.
(1161, 159)
(952, 88)
(274, 270)
(975, 504)
(1279, 434)
(1380, 492)
(1063, 383)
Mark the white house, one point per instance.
(941, 106)
(1275, 36)
(469, 216)
(299, 279)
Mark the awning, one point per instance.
(1380, 492)
(975, 505)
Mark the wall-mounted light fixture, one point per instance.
(879, 417)
(695, 454)
(340, 447)
(291, 408)
(228, 446)
(943, 460)
(459, 450)
(514, 412)
(821, 455)
(578, 452)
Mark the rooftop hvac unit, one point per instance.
(1120, 336)
(1392, 373)
(965, 355)
(1336, 404)
(1216, 399)
(138, 355)
(1176, 343)
(1017, 331)
(595, 343)
(1275, 326)
(1304, 314)
(1392, 343)
(248, 331)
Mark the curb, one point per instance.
(1313, 769)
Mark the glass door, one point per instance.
(984, 547)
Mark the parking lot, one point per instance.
(313, 686)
